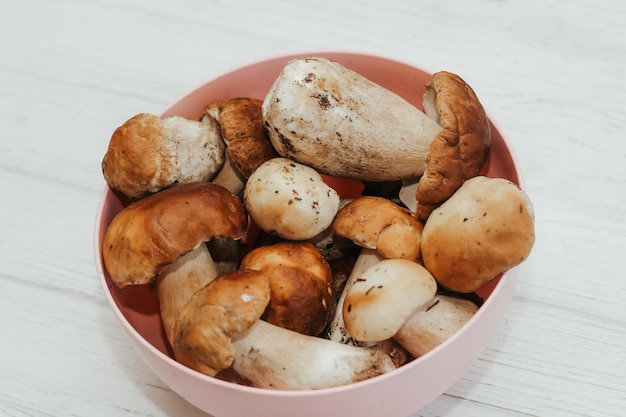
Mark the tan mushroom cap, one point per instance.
(301, 282)
(147, 154)
(384, 297)
(225, 308)
(485, 228)
(460, 149)
(241, 124)
(378, 223)
(153, 232)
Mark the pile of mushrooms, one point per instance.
(335, 291)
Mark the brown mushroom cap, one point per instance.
(241, 124)
(302, 296)
(485, 228)
(147, 154)
(225, 308)
(153, 232)
(378, 223)
(460, 149)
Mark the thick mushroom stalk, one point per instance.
(427, 328)
(326, 116)
(272, 357)
(177, 282)
(220, 327)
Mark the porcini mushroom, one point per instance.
(241, 124)
(459, 150)
(302, 297)
(224, 308)
(485, 228)
(218, 328)
(162, 237)
(324, 115)
(384, 297)
(337, 331)
(247, 143)
(396, 299)
(378, 223)
(290, 200)
(147, 154)
(155, 231)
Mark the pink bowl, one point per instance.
(396, 394)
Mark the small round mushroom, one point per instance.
(302, 298)
(384, 297)
(459, 150)
(485, 228)
(378, 223)
(290, 200)
(155, 231)
(147, 154)
(241, 124)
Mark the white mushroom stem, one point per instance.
(177, 282)
(230, 177)
(272, 357)
(428, 328)
(307, 110)
(337, 328)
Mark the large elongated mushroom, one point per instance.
(327, 116)
(147, 154)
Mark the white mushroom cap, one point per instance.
(384, 297)
(290, 199)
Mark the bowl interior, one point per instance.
(138, 305)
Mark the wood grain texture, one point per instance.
(550, 74)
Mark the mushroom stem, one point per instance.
(178, 281)
(273, 357)
(337, 328)
(429, 327)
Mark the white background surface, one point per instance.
(550, 73)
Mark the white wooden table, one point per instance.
(551, 74)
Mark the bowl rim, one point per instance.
(498, 288)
